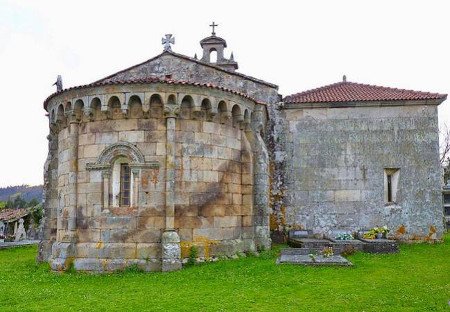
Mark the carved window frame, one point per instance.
(124, 152)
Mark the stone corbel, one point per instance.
(107, 114)
(238, 121)
(89, 113)
(106, 111)
(210, 115)
(53, 128)
(246, 125)
(60, 124)
(197, 113)
(125, 112)
(225, 117)
(72, 116)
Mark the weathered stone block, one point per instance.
(227, 221)
(233, 210)
(160, 149)
(212, 210)
(148, 251)
(93, 150)
(132, 136)
(106, 138)
(347, 195)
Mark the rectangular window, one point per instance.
(391, 178)
(125, 178)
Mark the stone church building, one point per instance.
(178, 152)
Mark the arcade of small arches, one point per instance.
(237, 112)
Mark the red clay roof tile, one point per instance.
(355, 92)
(151, 80)
(10, 214)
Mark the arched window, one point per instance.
(121, 183)
(121, 165)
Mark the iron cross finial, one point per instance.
(167, 42)
(213, 25)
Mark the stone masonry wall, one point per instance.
(121, 232)
(335, 168)
(213, 169)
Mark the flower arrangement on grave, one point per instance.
(377, 232)
(327, 252)
(344, 236)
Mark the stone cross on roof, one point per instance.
(213, 25)
(58, 83)
(167, 42)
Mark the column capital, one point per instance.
(171, 111)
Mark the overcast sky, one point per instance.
(297, 45)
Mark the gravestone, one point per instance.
(299, 233)
(2, 231)
(20, 234)
(380, 246)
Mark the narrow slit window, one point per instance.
(125, 182)
(389, 188)
(391, 185)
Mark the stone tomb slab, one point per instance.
(291, 257)
(300, 233)
(340, 245)
(380, 246)
(300, 251)
(309, 243)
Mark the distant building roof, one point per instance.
(354, 92)
(12, 214)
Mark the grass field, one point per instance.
(416, 279)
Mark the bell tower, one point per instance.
(217, 44)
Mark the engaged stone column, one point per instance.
(50, 196)
(73, 171)
(64, 250)
(106, 176)
(170, 173)
(171, 250)
(261, 185)
(136, 182)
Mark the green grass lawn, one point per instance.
(416, 279)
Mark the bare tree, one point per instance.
(445, 152)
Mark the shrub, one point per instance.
(348, 250)
(193, 254)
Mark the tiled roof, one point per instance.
(146, 81)
(10, 214)
(355, 92)
(115, 75)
